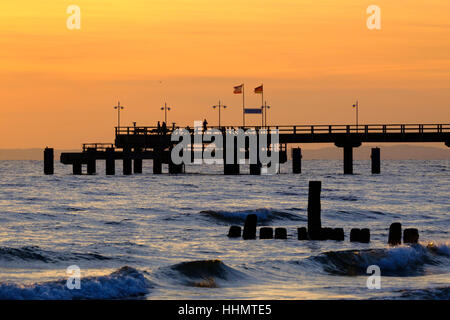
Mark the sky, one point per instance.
(315, 58)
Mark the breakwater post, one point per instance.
(250, 227)
(314, 222)
(48, 161)
(375, 157)
(395, 234)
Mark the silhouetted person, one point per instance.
(159, 128)
(164, 128)
(205, 125)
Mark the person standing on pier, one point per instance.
(205, 125)
(164, 128)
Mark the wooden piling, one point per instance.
(314, 221)
(355, 235)
(395, 234)
(411, 235)
(250, 227)
(266, 233)
(297, 160)
(364, 235)
(302, 233)
(48, 161)
(280, 233)
(326, 234)
(337, 234)
(375, 157)
(234, 232)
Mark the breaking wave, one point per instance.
(264, 215)
(203, 273)
(126, 282)
(34, 253)
(400, 261)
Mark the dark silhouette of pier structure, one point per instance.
(134, 144)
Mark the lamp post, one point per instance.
(219, 106)
(118, 107)
(265, 107)
(356, 105)
(165, 108)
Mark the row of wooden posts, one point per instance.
(315, 230)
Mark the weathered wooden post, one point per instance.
(234, 232)
(411, 235)
(266, 233)
(280, 233)
(314, 221)
(297, 160)
(326, 233)
(250, 227)
(337, 234)
(48, 160)
(355, 235)
(127, 161)
(375, 156)
(91, 161)
(365, 235)
(302, 233)
(395, 234)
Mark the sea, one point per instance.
(165, 236)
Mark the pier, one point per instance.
(134, 144)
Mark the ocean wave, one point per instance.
(34, 253)
(402, 261)
(203, 273)
(264, 215)
(439, 293)
(126, 282)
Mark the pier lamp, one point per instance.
(118, 107)
(165, 108)
(219, 106)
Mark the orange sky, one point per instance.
(59, 86)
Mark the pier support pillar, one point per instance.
(127, 161)
(48, 161)
(110, 162)
(255, 169)
(230, 168)
(297, 160)
(91, 162)
(137, 168)
(77, 168)
(157, 164)
(174, 168)
(348, 160)
(375, 156)
(314, 221)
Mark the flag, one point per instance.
(259, 89)
(238, 89)
(253, 110)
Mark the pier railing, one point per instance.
(97, 146)
(307, 129)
